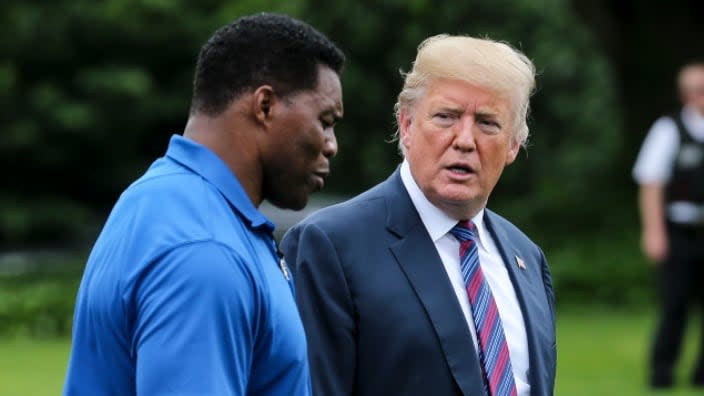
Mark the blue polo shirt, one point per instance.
(183, 293)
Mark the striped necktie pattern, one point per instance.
(493, 349)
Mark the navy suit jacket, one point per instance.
(380, 314)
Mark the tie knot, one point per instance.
(464, 231)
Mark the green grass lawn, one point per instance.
(600, 354)
(605, 353)
(32, 367)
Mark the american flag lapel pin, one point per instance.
(521, 263)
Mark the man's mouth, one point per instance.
(320, 177)
(461, 169)
(321, 174)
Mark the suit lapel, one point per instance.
(526, 290)
(511, 255)
(420, 262)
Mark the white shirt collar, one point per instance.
(693, 119)
(437, 222)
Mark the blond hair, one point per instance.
(485, 63)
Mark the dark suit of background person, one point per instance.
(670, 171)
(381, 312)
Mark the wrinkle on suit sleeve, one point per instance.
(325, 303)
(547, 282)
(550, 293)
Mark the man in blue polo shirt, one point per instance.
(183, 292)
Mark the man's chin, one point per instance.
(291, 203)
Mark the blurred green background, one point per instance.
(90, 92)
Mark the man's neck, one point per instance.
(222, 135)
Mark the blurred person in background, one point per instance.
(183, 292)
(414, 287)
(670, 172)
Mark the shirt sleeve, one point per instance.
(195, 325)
(657, 154)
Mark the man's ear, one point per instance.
(404, 128)
(262, 102)
(513, 150)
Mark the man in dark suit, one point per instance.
(413, 287)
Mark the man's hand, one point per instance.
(655, 245)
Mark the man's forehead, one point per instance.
(693, 75)
(331, 100)
(327, 93)
(489, 103)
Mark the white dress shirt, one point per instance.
(657, 158)
(439, 225)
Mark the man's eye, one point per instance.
(490, 123)
(444, 119)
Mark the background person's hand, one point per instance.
(655, 245)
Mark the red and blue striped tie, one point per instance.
(493, 349)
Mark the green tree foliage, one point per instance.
(91, 91)
(89, 94)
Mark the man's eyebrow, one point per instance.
(453, 108)
(487, 113)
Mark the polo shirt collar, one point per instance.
(202, 161)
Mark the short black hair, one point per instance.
(259, 49)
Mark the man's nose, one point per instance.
(330, 144)
(464, 138)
